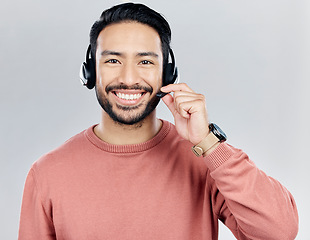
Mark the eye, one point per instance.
(112, 61)
(146, 62)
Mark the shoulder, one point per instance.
(66, 152)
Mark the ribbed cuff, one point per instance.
(220, 155)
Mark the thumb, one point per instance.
(169, 101)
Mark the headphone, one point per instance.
(88, 71)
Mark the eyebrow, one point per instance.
(108, 52)
(151, 54)
(140, 54)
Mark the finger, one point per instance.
(188, 108)
(169, 101)
(193, 95)
(198, 99)
(174, 102)
(176, 87)
(180, 96)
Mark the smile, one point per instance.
(128, 96)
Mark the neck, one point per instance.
(121, 134)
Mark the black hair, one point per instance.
(136, 13)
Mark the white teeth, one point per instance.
(128, 96)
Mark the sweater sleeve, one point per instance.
(251, 204)
(35, 219)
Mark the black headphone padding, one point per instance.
(171, 72)
(88, 70)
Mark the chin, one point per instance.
(128, 115)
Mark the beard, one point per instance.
(127, 115)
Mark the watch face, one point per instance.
(218, 132)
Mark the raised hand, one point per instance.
(189, 111)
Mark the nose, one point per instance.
(129, 75)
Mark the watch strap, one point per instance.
(205, 144)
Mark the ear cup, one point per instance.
(171, 71)
(88, 71)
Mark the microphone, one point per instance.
(161, 94)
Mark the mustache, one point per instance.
(123, 86)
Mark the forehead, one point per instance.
(129, 37)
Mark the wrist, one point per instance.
(210, 150)
(210, 142)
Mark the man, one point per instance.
(134, 176)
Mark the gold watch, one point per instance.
(215, 135)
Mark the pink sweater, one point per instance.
(88, 189)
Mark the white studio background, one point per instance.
(250, 59)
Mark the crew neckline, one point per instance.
(130, 148)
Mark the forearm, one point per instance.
(261, 207)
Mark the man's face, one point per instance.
(129, 71)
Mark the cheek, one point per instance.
(100, 83)
(159, 78)
(104, 77)
(152, 76)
